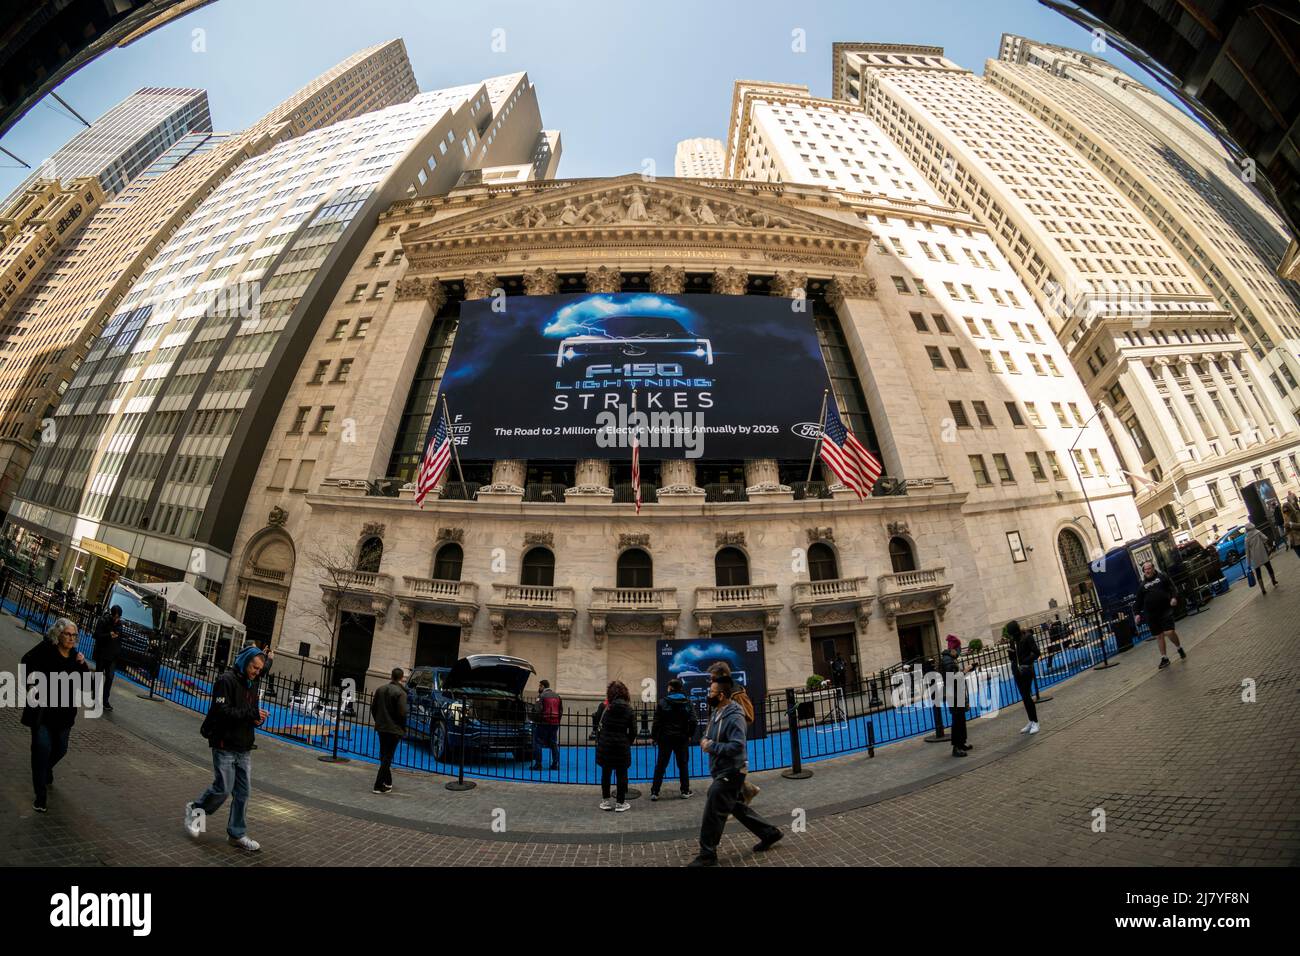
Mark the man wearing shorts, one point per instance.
(1156, 602)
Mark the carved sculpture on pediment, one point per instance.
(569, 214)
(704, 214)
(636, 211)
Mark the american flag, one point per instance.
(437, 455)
(636, 471)
(845, 455)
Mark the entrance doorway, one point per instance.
(356, 635)
(918, 636)
(826, 642)
(259, 619)
(437, 645)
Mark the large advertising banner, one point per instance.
(553, 377)
(690, 660)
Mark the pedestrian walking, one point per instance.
(48, 712)
(546, 728)
(108, 645)
(724, 742)
(1257, 556)
(1291, 522)
(955, 691)
(230, 727)
(614, 745)
(1156, 602)
(1279, 525)
(388, 709)
(672, 731)
(1023, 651)
(741, 697)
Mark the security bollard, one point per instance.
(796, 771)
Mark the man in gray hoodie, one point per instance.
(724, 742)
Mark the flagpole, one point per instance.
(821, 427)
(446, 412)
(636, 490)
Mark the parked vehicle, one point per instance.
(477, 702)
(1232, 546)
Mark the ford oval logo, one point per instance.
(809, 430)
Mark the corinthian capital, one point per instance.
(668, 280)
(542, 282)
(481, 285)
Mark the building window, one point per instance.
(821, 563)
(940, 324)
(936, 356)
(901, 556)
(958, 360)
(341, 373)
(538, 569)
(982, 414)
(635, 569)
(1004, 468)
(731, 568)
(447, 564)
(323, 420)
(319, 375)
(1036, 466)
(1013, 412)
(980, 471)
(363, 326)
(918, 320)
(901, 285)
(339, 329)
(300, 420)
(959, 414)
(1017, 547)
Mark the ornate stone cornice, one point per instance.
(421, 287)
(542, 282)
(725, 538)
(543, 538)
(668, 280)
(456, 535)
(729, 281)
(604, 279)
(820, 534)
(481, 285)
(600, 218)
(634, 541)
(850, 287)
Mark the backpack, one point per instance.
(746, 705)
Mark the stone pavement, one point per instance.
(1184, 771)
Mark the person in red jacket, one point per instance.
(546, 729)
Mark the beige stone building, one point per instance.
(987, 519)
(1189, 406)
(700, 158)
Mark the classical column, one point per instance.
(605, 279)
(542, 282)
(507, 474)
(1254, 413)
(676, 475)
(481, 285)
(1184, 408)
(729, 281)
(1231, 410)
(591, 475)
(1129, 457)
(1204, 401)
(1157, 424)
(1273, 403)
(762, 475)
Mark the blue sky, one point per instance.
(621, 80)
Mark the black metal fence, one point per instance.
(451, 734)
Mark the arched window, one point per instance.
(539, 569)
(1074, 561)
(821, 563)
(635, 569)
(370, 554)
(901, 556)
(731, 568)
(446, 566)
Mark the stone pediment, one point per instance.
(629, 212)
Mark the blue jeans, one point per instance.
(546, 737)
(49, 744)
(232, 776)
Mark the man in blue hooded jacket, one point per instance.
(673, 728)
(724, 742)
(229, 728)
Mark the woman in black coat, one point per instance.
(51, 719)
(614, 745)
(1023, 651)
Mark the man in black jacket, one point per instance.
(1156, 601)
(230, 729)
(389, 709)
(108, 644)
(1022, 650)
(672, 731)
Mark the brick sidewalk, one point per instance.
(1185, 772)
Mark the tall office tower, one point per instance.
(126, 139)
(700, 158)
(55, 321)
(1146, 334)
(998, 390)
(163, 426)
(1180, 178)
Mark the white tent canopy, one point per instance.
(206, 620)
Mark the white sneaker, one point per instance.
(193, 822)
(243, 842)
(607, 805)
(620, 807)
(1033, 728)
(1025, 729)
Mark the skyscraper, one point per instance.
(126, 139)
(54, 322)
(700, 158)
(163, 426)
(1179, 177)
(1187, 403)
